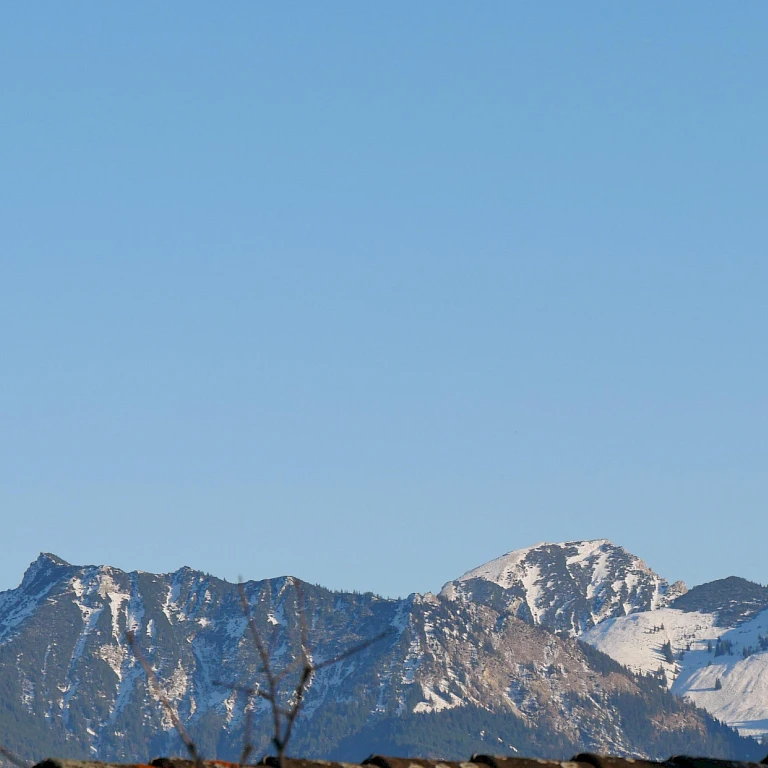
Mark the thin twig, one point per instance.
(302, 616)
(353, 650)
(163, 699)
(307, 670)
(266, 667)
(263, 655)
(295, 665)
(247, 734)
(14, 758)
(273, 639)
(246, 689)
(293, 713)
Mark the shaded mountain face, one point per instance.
(450, 677)
(733, 600)
(566, 588)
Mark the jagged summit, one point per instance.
(51, 558)
(46, 560)
(567, 587)
(44, 564)
(502, 570)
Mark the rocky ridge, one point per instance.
(450, 677)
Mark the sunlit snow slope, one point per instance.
(702, 654)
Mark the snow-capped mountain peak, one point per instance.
(568, 587)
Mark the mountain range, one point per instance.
(545, 651)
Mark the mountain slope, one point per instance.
(450, 677)
(611, 599)
(723, 669)
(732, 600)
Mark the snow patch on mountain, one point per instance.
(637, 641)
(742, 699)
(698, 654)
(109, 589)
(437, 702)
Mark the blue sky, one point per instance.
(373, 293)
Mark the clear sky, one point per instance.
(371, 293)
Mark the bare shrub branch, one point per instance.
(352, 651)
(247, 735)
(158, 693)
(284, 718)
(14, 758)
